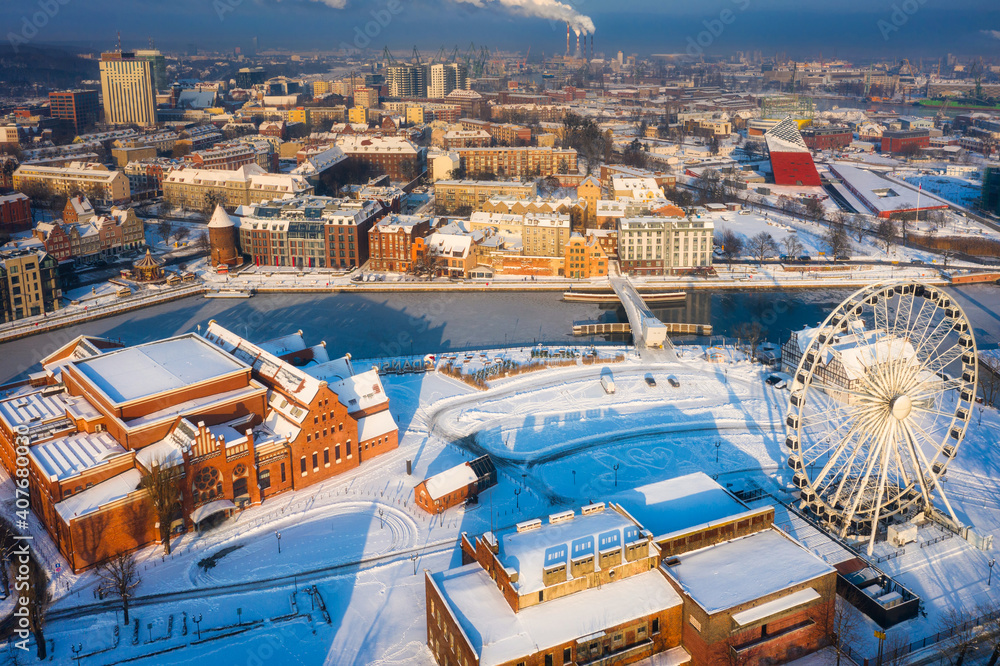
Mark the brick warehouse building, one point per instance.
(898, 141)
(243, 421)
(588, 587)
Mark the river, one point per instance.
(390, 324)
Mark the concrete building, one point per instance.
(127, 89)
(93, 180)
(664, 246)
(29, 284)
(452, 196)
(308, 232)
(81, 108)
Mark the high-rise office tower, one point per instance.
(127, 89)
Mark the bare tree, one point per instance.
(836, 240)
(165, 230)
(730, 244)
(761, 246)
(120, 576)
(964, 635)
(793, 247)
(163, 483)
(885, 233)
(844, 625)
(752, 333)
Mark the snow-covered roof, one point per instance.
(293, 381)
(360, 392)
(95, 497)
(775, 606)
(529, 552)
(165, 365)
(785, 137)
(68, 456)
(220, 219)
(676, 504)
(498, 635)
(449, 480)
(739, 571)
(376, 425)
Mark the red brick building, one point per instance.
(390, 241)
(455, 485)
(898, 141)
(827, 138)
(15, 213)
(244, 422)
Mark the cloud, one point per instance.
(995, 34)
(547, 9)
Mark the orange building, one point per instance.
(585, 258)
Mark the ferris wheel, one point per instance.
(879, 405)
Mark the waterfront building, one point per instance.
(127, 89)
(390, 241)
(664, 246)
(240, 421)
(29, 284)
(308, 232)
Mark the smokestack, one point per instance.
(567, 39)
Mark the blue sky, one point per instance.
(851, 28)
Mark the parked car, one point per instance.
(673, 382)
(650, 381)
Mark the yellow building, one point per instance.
(92, 180)
(454, 195)
(127, 89)
(357, 114)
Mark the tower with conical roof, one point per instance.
(222, 239)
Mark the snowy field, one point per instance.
(557, 437)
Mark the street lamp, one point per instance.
(616, 466)
(278, 536)
(197, 624)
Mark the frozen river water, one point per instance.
(391, 324)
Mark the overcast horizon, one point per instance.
(851, 29)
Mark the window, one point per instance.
(326, 457)
(302, 465)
